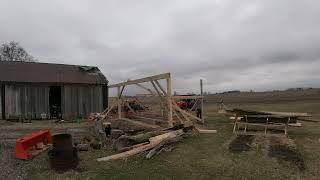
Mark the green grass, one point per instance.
(203, 156)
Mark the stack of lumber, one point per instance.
(267, 119)
(261, 116)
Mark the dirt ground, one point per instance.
(279, 147)
(12, 168)
(10, 132)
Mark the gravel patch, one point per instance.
(11, 168)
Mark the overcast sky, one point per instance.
(247, 44)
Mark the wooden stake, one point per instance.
(119, 103)
(201, 90)
(169, 101)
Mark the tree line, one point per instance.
(13, 51)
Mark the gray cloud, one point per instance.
(260, 45)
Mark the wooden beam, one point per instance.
(186, 113)
(106, 112)
(145, 88)
(127, 104)
(184, 116)
(122, 89)
(142, 80)
(206, 131)
(291, 114)
(194, 105)
(176, 114)
(169, 101)
(201, 93)
(155, 87)
(119, 103)
(161, 88)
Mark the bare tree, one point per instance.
(12, 51)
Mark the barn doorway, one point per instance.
(55, 102)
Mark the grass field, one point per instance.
(207, 156)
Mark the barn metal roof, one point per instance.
(33, 72)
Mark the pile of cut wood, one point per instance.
(150, 138)
(154, 142)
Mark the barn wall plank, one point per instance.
(28, 101)
(81, 100)
(0, 102)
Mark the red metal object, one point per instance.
(28, 146)
(182, 104)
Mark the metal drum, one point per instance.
(63, 155)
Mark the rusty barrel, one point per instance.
(63, 156)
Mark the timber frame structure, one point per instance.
(170, 111)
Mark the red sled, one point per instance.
(33, 144)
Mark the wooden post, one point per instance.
(201, 94)
(266, 128)
(169, 101)
(119, 102)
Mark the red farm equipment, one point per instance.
(32, 145)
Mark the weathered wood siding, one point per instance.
(0, 103)
(81, 100)
(28, 101)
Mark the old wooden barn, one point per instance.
(40, 90)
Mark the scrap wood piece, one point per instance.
(132, 147)
(205, 131)
(109, 108)
(149, 90)
(297, 124)
(185, 112)
(157, 148)
(308, 120)
(176, 114)
(125, 140)
(154, 141)
(288, 113)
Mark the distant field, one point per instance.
(266, 97)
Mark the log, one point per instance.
(134, 146)
(154, 141)
(125, 140)
(154, 151)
